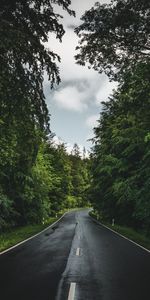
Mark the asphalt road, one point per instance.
(78, 259)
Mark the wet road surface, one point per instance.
(78, 259)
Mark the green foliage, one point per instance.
(35, 176)
(56, 180)
(24, 30)
(80, 173)
(24, 118)
(37, 203)
(136, 236)
(114, 37)
(70, 202)
(120, 183)
(6, 212)
(13, 236)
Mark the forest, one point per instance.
(39, 178)
(115, 38)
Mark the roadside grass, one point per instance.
(16, 235)
(133, 235)
(128, 232)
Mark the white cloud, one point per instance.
(79, 7)
(81, 89)
(97, 86)
(69, 70)
(105, 91)
(70, 98)
(57, 140)
(69, 147)
(91, 121)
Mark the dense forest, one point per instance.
(54, 182)
(121, 155)
(37, 178)
(115, 39)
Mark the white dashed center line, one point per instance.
(78, 252)
(72, 291)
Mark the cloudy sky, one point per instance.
(75, 104)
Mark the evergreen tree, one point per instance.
(120, 173)
(24, 117)
(115, 36)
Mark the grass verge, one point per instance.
(130, 233)
(17, 235)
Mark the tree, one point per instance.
(24, 28)
(76, 150)
(61, 177)
(120, 166)
(115, 36)
(80, 176)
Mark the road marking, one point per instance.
(78, 252)
(72, 291)
(121, 235)
(30, 238)
(126, 238)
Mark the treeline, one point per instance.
(37, 179)
(121, 155)
(116, 42)
(55, 180)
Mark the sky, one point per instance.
(75, 104)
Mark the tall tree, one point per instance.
(121, 153)
(24, 28)
(115, 36)
(75, 150)
(80, 176)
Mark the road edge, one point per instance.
(120, 235)
(33, 236)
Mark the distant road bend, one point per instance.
(76, 259)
